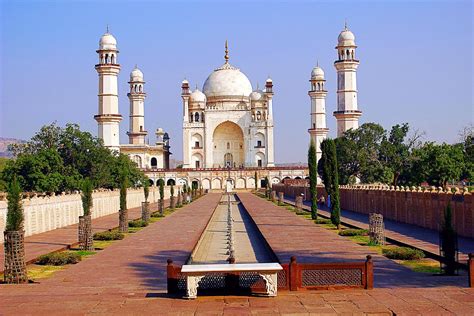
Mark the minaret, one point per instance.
(108, 69)
(269, 134)
(185, 95)
(347, 113)
(318, 131)
(137, 132)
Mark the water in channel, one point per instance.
(231, 233)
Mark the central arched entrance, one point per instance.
(228, 142)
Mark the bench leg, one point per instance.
(192, 283)
(270, 283)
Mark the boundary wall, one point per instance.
(44, 213)
(423, 207)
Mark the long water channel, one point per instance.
(231, 233)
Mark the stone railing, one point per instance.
(47, 212)
(411, 205)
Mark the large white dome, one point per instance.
(227, 81)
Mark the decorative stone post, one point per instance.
(376, 229)
(273, 196)
(281, 198)
(85, 233)
(299, 203)
(146, 211)
(15, 266)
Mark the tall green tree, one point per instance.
(256, 179)
(331, 178)
(86, 197)
(313, 178)
(15, 216)
(448, 242)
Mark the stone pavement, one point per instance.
(129, 278)
(66, 237)
(290, 235)
(419, 237)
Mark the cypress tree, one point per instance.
(313, 178)
(448, 242)
(162, 195)
(256, 183)
(85, 221)
(146, 189)
(15, 215)
(86, 197)
(331, 178)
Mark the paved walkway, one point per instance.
(66, 237)
(415, 236)
(291, 235)
(128, 278)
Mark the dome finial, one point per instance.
(107, 30)
(226, 57)
(345, 24)
(317, 62)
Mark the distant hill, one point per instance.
(4, 142)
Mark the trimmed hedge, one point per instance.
(402, 253)
(157, 214)
(109, 235)
(354, 232)
(137, 223)
(322, 221)
(59, 258)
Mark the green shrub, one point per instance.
(301, 213)
(353, 232)
(137, 223)
(322, 221)
(157, 214)
(59, 258)
(402, 253)
(109, 235)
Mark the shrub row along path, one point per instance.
(419, 237)
(291, 235)
(67, 237)
(129, 278)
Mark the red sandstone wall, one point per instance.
(406, 205)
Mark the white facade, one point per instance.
(227, 124)
(318, 130)
(108, 118)
(347, 113)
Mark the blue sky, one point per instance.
(416, 61)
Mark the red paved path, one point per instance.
(128, 278)
(66, 237)
(291, 235)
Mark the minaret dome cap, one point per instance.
(346, 38)
(136, 75)
(108, 42)
(317, 73)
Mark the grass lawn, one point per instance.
(102, 244)
(424, 265)
(36, 272)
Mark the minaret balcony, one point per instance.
(108, 117)
(347, 114)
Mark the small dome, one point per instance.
(108, 42)
(256, 95)
(184, 81)
(317, 73)
(346, 38)
(136, 75)
(269, 79)
(198, 96)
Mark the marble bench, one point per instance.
(195, 272)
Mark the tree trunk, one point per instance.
(15, 266)
(172, 204)
(123, 221)
(86, 241)
(146, 211)
(185, 198)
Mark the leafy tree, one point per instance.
(162, 189)
(86, 197)
(58, 159)
(313, 178)
(437, 164)
(15, 215)
(172, 190)
(331, 178)
(256, 183)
